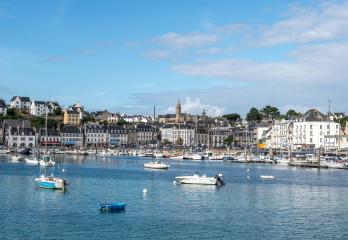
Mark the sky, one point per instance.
(221, 56)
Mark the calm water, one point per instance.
(298, 204)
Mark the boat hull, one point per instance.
(156, 165)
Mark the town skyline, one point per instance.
(213, 56)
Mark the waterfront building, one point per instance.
(218, 135)
(179, 134)
(1, 133)
(72, 117)
(38, 108)
(9, 124)
(202, 137)
(3, 107)
(96, 135)
(281, 134)
(314, 130)
(21, 103)
(146, 134)
(53, 137)
(21, 137)
(117, 136)
(71, 136)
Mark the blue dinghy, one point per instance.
(112, 207)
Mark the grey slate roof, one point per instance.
(14, 123)
(70, 129)
(23, 99)
(2, 103)
(314, 115)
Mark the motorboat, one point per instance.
(104, 153)
(156, 165)
(201, 180)
(192, 157)
(177, 157)
(31, 161)
(267, 177)
(282, 161)
(5, 151)
(16, 158)
(112, 207)
(51, 182)
(24, 151)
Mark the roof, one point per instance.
(39, 103)
(22, 131)
(23, 99)
(70, 129)
(15, 123)
(313, 115)
(2, 103)
(50, 132)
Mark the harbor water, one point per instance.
(299, 203)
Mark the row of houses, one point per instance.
(35, 108)
(313, 130)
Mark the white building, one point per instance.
(173, 133)
(97, 135)
(117, 136)
(39, 108)
(113, 117)
(3, 107)
(281, 134)
(20, 102)
(21, 137)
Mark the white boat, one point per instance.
(193, 157)
(31, 161)
(333, 164)
(46, 161)
(156, 165)
(50, 182)
(5, 151)
(177, 157)
(283, 161)
(104, 154)
(158, 155)
(16, 158)
(201, 180)
(267, 177)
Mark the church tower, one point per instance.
(178, 112)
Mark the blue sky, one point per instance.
(224, 56)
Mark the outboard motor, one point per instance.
(220, 182)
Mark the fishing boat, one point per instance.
(156, 165)
(201, 180)
(112, 207)
(51, 182)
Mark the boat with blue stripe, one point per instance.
(112, 207)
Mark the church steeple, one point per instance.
(178, 112)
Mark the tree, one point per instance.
(121, 122)
(179, 141)
(254, 115)
(233, 117)
(87, 119)
(228, 141)
(58, 111)
(166, 142)
(270, 112)
(13, 113)
(291, 114)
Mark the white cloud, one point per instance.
(212, 50)
(157, 54)
(320, 63)
(304, 25)
(195, 106)
(176, 40)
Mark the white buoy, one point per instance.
(248, 170)
(248, 177)
(144, 191)
(174, 182)
(63, 170)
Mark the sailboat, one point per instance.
(49, 182)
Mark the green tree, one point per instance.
(292, 114)
(228, 141)
(254, 115)
(87, 119)
(58, 111)
(121, 122)
(270, 112)
(233, 117)
(166, 142)
(13, 113)
(179, 141)
(38, 122)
